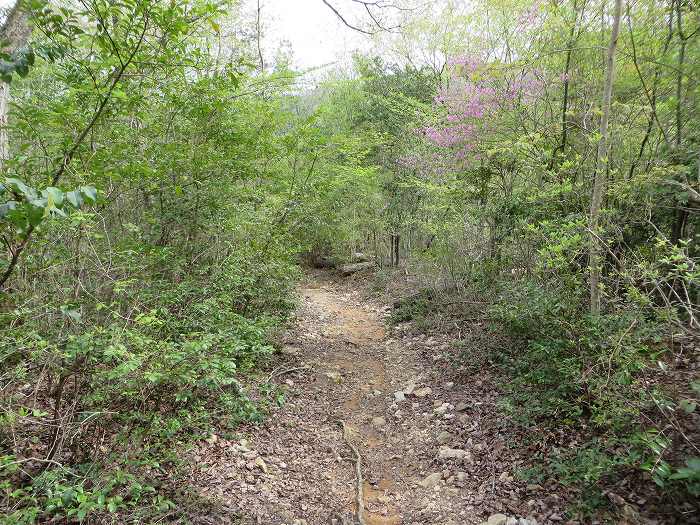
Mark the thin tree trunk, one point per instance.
(258, 30)
(15, 32)
(677, 232)
(4, 137)
(651, 96)
(601, 160)
(565, 103)
(681, 72)
(397, 249)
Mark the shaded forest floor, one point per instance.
(433, 447)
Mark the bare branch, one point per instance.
(369, 7)
(337, 13)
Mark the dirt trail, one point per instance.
(363, 365)
(341, 364)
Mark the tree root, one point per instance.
(358, 475)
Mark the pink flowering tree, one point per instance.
(477, 96)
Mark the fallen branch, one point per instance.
(278, 373)
(358, 475)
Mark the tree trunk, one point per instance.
(15, 31)
(561, 147)
(395, 249)
(4, 138)
(678, 231)
(600, 165)
(258, 31)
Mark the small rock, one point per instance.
(497, 519)
(442, 408)
(462, 476)
(423, 392)
(378, 421)
(444, 437)
(504, 478)
(431, 480)
(409, 389)
(461, 406)
(512, 521)
(334, 376)
(349, 269)
(260, 463)
(533, 487)
(400, 396)
(453, 453)
(291, 351)
(449, 384)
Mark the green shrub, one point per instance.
(573, 366)
(413, 308)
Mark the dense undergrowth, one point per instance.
(614, 388)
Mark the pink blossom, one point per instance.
(471, 102)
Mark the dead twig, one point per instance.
(358, 475)
(278, 372)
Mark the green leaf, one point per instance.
(74, 198)
(688, 406)
(70, 312)
(53, 196)
(7, 208)
(89, 192)
(35, 212)
(20, 187)
(695, 385)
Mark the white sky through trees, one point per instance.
(316, 35)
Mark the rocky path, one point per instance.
(351, 385)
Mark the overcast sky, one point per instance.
(316, 34)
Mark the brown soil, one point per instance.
(341, 364)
